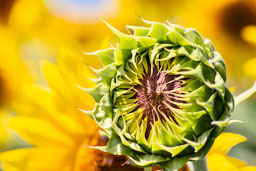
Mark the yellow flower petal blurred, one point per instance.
(67, 87)
(22, 18)
(13, 72)
(3, 133)
(50, 121)
(5, 8)
(218, 159)
(13, 76)
(249, 33)
(232, 89)
(222, 21)
(249, 67)
(39, 32)
(20, 158)
(36, 19)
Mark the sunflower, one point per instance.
(13, 75)
(249, 35)
(50, 121)
(13, 72)
(3, 131)
(5, 8)
(44, 19)
(222, 22)
(218, 159)
(40, 29)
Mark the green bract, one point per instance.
(160, 97)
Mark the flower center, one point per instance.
(5, 8)
(156, 95)
(237, 15)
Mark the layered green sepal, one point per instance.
(197, 104)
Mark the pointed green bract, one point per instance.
(191, 105)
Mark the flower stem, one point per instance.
(200, 165)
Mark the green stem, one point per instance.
(200, 165)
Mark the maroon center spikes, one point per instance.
(156, 94)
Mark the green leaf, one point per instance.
(209, 45)
(107, 73)
(221, 124)
(125, 41)
(174, 151)
(193, 36)
(221, 69)
(97, 92)
(158, 31)
(139, 31)
(176, 38)
(199, 144)
(209, 105)
(115, 147)
(144, 41)
(106, 55)
(121, 56)
(101, 118)
(175, 164)
(147, 159)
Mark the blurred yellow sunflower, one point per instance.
(55, 21)
(13, 72)
(50, 121)
(13, 75)
(5, 8)
(3, 131)
(218, 159)
(222, 21)
(249, 35)
(41, 26)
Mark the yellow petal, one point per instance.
(34, 99)
(55, 79)
(57, 157)
(221, 162)
(249, 168)
(72, 66)
(41, 133)
(249, 67)
(3, 135)
(14, 160)
(225, 142)
(43, 106)
(37, 159)
(21, 18)
(232, 89)
(66, 91)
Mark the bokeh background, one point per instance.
(32, 30)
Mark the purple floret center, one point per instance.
(156, 95)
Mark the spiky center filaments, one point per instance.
(157, 95)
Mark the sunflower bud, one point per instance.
(160, 97)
